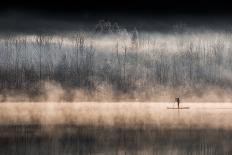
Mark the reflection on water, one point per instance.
(70, 140)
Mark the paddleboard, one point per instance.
(178, 108)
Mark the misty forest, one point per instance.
(115, 77)
(113, 63)
(111, 89)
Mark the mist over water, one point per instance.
(146, 115)
(115, 128)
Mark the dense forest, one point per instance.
(112, 60)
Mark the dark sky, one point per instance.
(115, 6)
(25, 15)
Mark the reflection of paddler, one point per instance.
(178, 102)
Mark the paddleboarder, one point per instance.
(178, 102)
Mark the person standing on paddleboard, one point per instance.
(178, 102)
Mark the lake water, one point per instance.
(115, 128)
